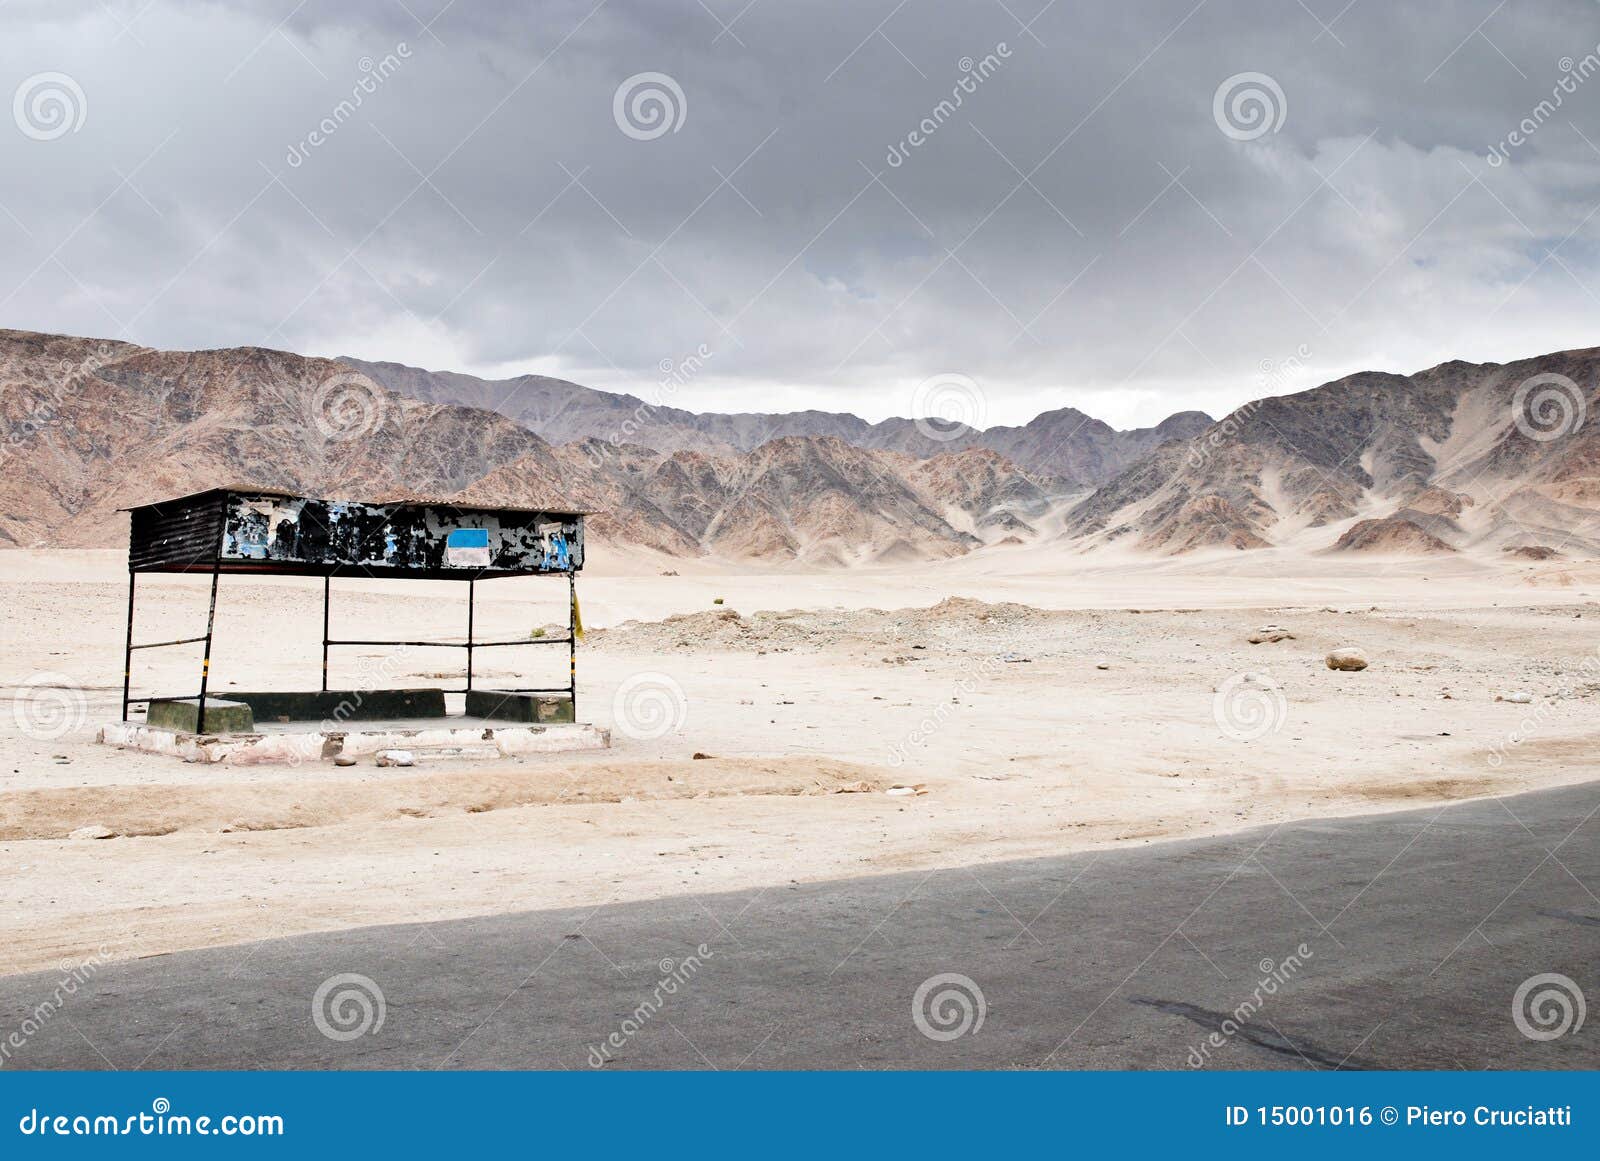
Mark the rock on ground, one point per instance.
(1347, 660)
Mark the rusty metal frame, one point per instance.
(470, 645)
(205, 662)
(216, 566)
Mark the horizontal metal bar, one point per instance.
(442, 644)
(483, 690)
(429, 644)
(164, 644)
(527, 641)
(501, 575)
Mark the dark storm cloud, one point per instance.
(856, 196)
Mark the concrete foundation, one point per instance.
(338, 706)
(183, 714)
(519, 707)
(293, 745)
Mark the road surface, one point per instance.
(1393, 941)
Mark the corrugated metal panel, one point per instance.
(177, 535)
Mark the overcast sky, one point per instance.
(1135, 208)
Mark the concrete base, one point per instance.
(338, 706)
(519, 707)
(182, 714)
(288, 745)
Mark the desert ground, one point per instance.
(1022, 701)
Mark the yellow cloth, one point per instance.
(577, 618)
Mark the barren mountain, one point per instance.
(1456, 456)
(1066, 443)
(983, 491)
(1460, 456)
(1070, 444)
(816, 499)
(95, 426)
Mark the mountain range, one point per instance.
(1064, 443)
(1458, 456)
(1463, 455)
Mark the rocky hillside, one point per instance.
(1461, 455)
(1076, 446)
(94, 426)
(1064, 444)
(815, 499)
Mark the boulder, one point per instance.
(1347, 660)
(1270, 634)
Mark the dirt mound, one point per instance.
(291, 804)
(1206, 522)
(962, 621)
(1391, 534)
(1532, 552)
(1440, 502)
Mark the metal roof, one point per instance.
(555, 508)
(264, 530)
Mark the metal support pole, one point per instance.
(205, 665)
(327, 584)
(572, 640)
(472, 585)
(127, 656)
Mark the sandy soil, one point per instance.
(978, 680)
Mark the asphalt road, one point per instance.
(1417, 930)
